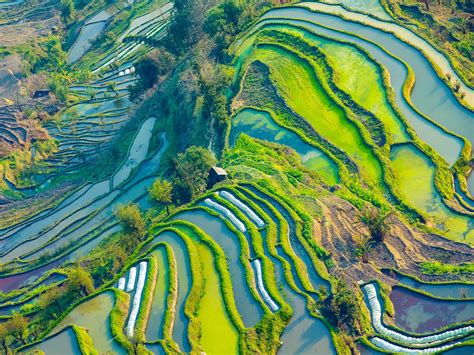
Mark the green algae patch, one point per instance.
(415, 176)
(362, 79)
(297, 83)
(354, 73)
(218, 333)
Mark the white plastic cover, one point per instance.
(121, 283)
(132, 275)
(383, 344)
(237, 222)
(376, 312)
(261, 286)
(136, 300)
(248, 211)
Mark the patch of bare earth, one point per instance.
(339, 230)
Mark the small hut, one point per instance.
(216, 174)
(40, 93)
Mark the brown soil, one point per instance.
(402, 249)
(16, 34)
(10, 73)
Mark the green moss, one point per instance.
(84, 341)
(118, 317)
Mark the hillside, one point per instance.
(236, 176)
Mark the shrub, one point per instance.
(192, 170)
(131, 219)
(161, 192)
(377, 221)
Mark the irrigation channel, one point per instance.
(237, 259)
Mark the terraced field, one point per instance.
(334, 109)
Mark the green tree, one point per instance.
(51, 301)
(80, 281)
(4, 337)
(192, 170)
(67, 9)
(161, 192)
(343, 305)
(17, 327)
(222, 22)
(147, 69)
(132, 219)
(377, 221)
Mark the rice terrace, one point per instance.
(236, 177)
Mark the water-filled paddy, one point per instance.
(156, 349)
(304, 334)
(297, 83)
(154, 329)
(295, 243)
(94, 315)
(450, 290)
(447, 145)
(259, 124)
(65, 342)
(420, 314)
(415, 176)
(358, 76)
(12, 282)
(391, 38)
(88, 34)
(183, 268)
(218, 333)
(137, 153)
(373, 7)
(248, 308)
